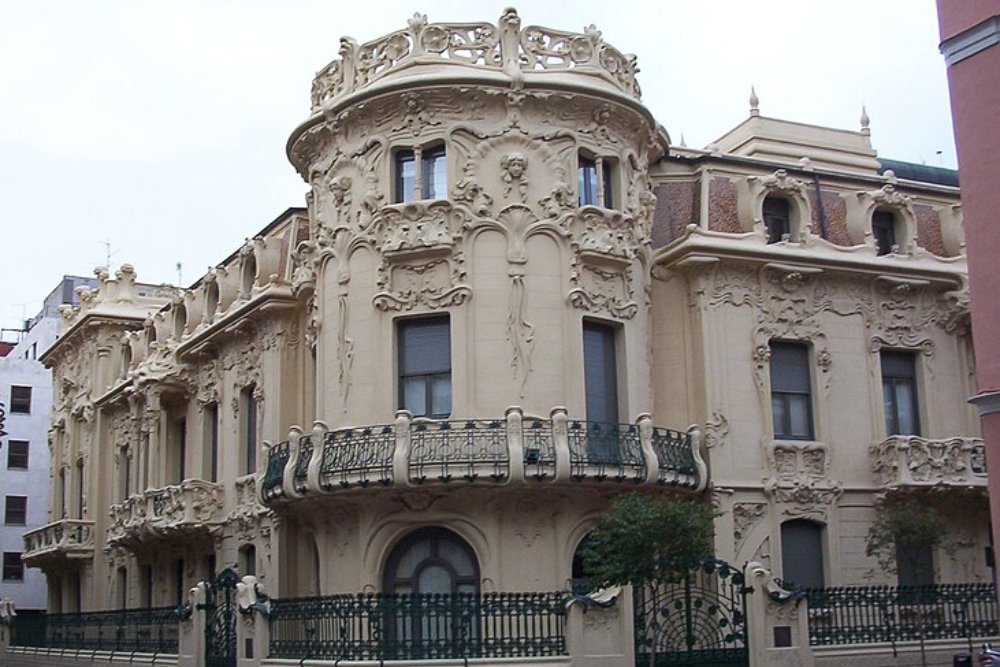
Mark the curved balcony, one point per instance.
(192, 509)
(494, 51)
(911, 462)
(59, 542)
(516, 449)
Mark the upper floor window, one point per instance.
(248, 560)
(777, 219)
(425, 366)
(13, 568)
(884, 231)
(899, 393)
(248, 424)
(211, 442)
(802, 553)
(430, 181)
(20, 400)
(15, 511)
(17, 455)
(791, 394)
(594, 183)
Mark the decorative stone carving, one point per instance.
(756, 189)
(716, 430)
(515, 175)
(184, 511)
(801, 480)
(909, 461)
(745, 517)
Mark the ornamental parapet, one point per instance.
(189, 510)
(503, 50)
(515, 449)
(911, 462)
(59, 542)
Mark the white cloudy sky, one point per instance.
(159, 125)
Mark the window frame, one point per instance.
(20, 405)
(11, 560)
(429, 375)
(787, 394)
(11, 454)
(885, 222)
(249, 409)
(21, 511)
(817, 538)
(595, 180)
(424, 164)
(894, 380)
(769, 214)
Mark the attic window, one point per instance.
(430, 182)
(777, 223)
(884, 231)
(593, 190)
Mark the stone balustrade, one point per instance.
(909, 461)
(514, 449)
(190, 509)
(503, 49)
(63, 540)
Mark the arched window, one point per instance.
(581, 582)
(249, 275)
(884, 230)
(180, 320)
(431, 560)
(211, 301)
(802, 553)
(777, 219)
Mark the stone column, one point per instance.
(191, 633)
(599, 629)
(777, 624)
(252, 627)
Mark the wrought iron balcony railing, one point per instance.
(179, 511)
(65, 539)
(909, 461)
(123, 631)
(418, 627)
(515, 449)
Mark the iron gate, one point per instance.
(220, 620)
(698, 620)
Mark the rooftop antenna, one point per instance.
(108, 254)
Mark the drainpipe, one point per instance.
(822, 211)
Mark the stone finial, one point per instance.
(754, 102)
(865, 122)
(683, 144)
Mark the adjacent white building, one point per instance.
(26, 394)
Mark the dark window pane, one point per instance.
(17, 455)
(608, 185)
(13, 569)
(434, 176)
(600, 372)
(802, 553)
(899, 393)
(15, 510)
(791, 398)
(587, 181)
(884, 231)
(405, 176)
(776, 219)
(20, 400)
(789, 367)
(425, 366)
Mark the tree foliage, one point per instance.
(648, 540)
(903, 526)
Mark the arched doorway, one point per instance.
(431, 602)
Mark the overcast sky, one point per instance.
(160, 126)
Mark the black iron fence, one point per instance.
(605, 449)
(128, 630)
(357, 456)
(277, 457)
(464, 449)
(886, 614)
(674, 457)
(419, 627)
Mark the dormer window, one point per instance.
(884, 231)
(777, 223)
(594, 184)
(430, 182)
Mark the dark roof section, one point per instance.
(912, 171)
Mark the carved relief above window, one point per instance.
(775, 206)
(885, 220)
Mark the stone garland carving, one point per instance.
(514, 166)
(801, 482)
(716, 429)
(745, 517)
(604, 244)
(245, 519)
(888, 197)
(926, 462)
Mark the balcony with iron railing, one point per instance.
(515, 449)
(909, 462)
(191, 509)
(59, 542)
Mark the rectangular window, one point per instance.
(424, 347)
(791, 399)
(899, 393)
(212, 441)
(13, 569)
(600, 382)
(79, 490)
(884, 231)
(20, 400)
(15, 511)
(591, 190)
(147, 586)
(802, 553)
(180, 435)
(179, 580)
(121, 583)
(777, 224)
(17, 455)
(433, 176)
(248, 404)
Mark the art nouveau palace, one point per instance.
(381, 429)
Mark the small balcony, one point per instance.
(59, 542)
(911, 462)
(515, 449)
(192, 509)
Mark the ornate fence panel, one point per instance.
(357, 457)
(699, 620)
(220, 620)
(466, 449)
(151, 630)
(674, 456)
(277, 458)
(887, 614)
(418, 627)
(604, 449)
